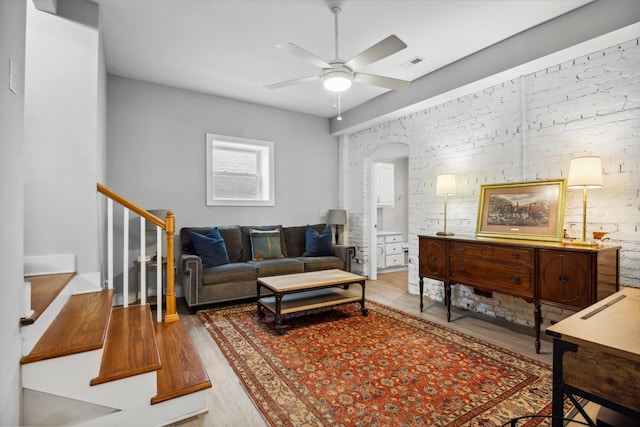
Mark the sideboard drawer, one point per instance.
(513, 279)
(493, 252)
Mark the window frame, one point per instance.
(266, 169)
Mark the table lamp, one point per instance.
(445, 185)
(336, 217)
(585, 172)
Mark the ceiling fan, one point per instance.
(338, 74)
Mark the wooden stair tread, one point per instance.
(131, 347)
(80, 326)
(182, 370)
(45, 289)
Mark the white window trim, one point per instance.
(269, 186)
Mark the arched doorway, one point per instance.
(387, 152)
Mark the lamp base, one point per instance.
(444, 233)
(584, 243)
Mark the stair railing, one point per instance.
(168, 225)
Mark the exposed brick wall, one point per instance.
(587, 106)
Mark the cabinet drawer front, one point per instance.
(510, 279)
(380, 240)
(393, 238)
(394, 248)
(507, 254)
(393, 260)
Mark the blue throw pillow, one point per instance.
(211, 248)
(318, 244)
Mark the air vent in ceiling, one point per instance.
(412, 63)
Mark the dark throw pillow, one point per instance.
(318, 244)
(265, 244)
(211, 248)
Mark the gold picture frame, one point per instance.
(531, 210)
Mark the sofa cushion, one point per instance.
(265, 244)
(210, 248)
(295, 238)
(246, 239)
(277, 266)
(228, 273)
(316, 263)
(230, 233)
(318, 243)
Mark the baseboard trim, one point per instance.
(49, 264)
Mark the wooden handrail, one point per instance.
(169, 226)
(132, 206)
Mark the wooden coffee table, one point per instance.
(293, 293)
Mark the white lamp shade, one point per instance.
(446, 184)
(337, 217)
(585, 172)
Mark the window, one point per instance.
(240, 172)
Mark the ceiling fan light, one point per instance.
(337, 81)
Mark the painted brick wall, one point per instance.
(521, 130)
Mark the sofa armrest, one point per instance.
(191, 277)
(346, 252)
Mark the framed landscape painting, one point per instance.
(525, 210)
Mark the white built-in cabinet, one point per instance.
(384, 185)
(390, 250)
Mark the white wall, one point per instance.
(520, 130)
(61, 132)
(12, 42)
(156, 155)
(397, 217)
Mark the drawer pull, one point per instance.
(515, 255)
(461, 249)
(563, 278)
(515, 278)
(433, 258)
(462, 269)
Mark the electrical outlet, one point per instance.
(323, 214)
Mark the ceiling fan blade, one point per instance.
(303, 54)
(291, 82)
(385, 82)
(382, 49)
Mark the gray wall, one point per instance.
(156, 156)
(12, 42)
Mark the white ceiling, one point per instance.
(227, 47)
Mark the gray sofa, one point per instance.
(237, 279)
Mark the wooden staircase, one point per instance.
(145, 373)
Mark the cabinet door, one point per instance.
(384, 184)
(380, 256)
(565, 278)
(433, 258)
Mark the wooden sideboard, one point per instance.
(553, 273)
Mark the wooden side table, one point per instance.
(151, 263)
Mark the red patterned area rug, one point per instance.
(338, 368)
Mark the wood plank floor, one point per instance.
(229, 405)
